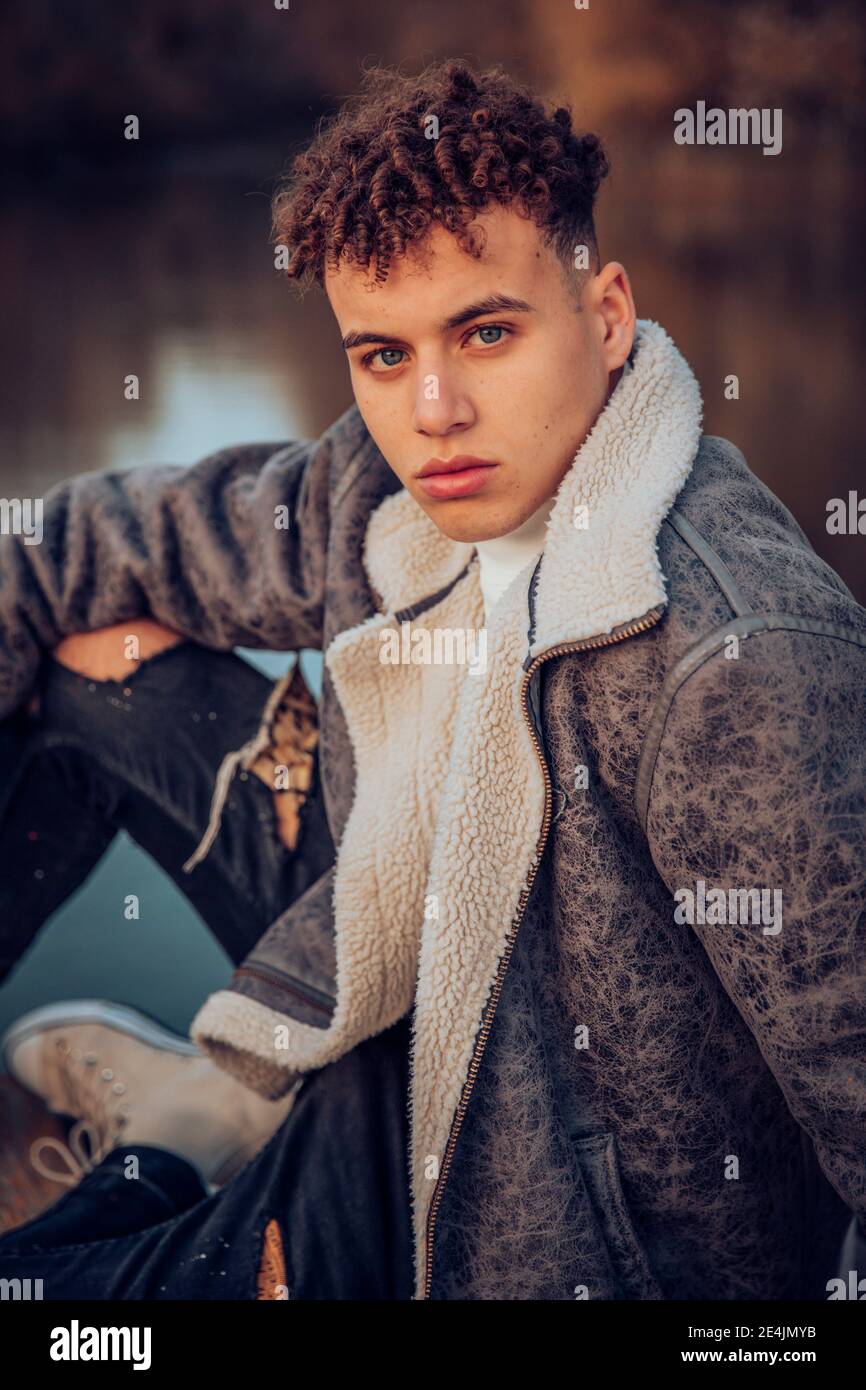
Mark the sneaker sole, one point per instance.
(68, 1013)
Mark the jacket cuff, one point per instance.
(240, 1036)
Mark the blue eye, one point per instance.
(384, 354)
(500, 330)
(490, 328)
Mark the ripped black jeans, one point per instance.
(141, 755)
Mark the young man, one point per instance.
(576, 998)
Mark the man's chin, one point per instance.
(464, 521)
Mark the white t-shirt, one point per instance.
(502, 558)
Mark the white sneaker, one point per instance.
(124, 1078)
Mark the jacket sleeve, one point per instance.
(202, 548)
(760, 782)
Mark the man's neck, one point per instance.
(503, 557)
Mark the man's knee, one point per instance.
(111, 653)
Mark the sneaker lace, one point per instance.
(93, 1095)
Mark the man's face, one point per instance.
(491, 362)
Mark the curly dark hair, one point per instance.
(381, 170)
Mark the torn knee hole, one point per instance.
(115, 653)
(286, 764)
(280, 754)
(289, 782)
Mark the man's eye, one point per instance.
(390, 357)
(489, 328)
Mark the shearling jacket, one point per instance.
(616, 871)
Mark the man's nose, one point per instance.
(441, 404)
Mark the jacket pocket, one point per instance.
(596, 1154)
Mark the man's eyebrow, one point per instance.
(353, 340)
(493, 304)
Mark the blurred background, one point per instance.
(152, 257)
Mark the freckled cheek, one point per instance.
(531, 382)
(522, 398)
(374, 410)
(391, 432)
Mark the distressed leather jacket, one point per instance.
(617, 875)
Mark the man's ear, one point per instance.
(613, 304)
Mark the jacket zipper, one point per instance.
(584, 644)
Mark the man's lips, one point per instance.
(456, 465)
(457, 477)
